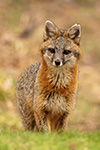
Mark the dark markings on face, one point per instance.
(60, 50)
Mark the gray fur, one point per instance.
(25, 92)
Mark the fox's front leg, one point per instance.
(41, 120)
(65, 121)
(62, 122)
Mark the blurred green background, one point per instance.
(21, 34)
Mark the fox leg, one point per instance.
(41, 120)
(65, 122)
(27, 115)
(28, 124)
(62, 122)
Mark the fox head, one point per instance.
(61, 47)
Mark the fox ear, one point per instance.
(50, 30)
(74, 33)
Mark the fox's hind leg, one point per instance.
(27, 114)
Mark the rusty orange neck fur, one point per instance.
(55, 81)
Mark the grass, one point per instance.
(49, 141)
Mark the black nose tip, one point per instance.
(57, 62)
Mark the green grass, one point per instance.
(49, 141)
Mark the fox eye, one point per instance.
(66, 52)
(51, 50)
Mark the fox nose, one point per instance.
(57, 62)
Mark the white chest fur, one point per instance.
(57, 104)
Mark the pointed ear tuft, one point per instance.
(74, 33)
(51, 30)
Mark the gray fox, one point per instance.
(46, 91)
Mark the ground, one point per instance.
(47, 141)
